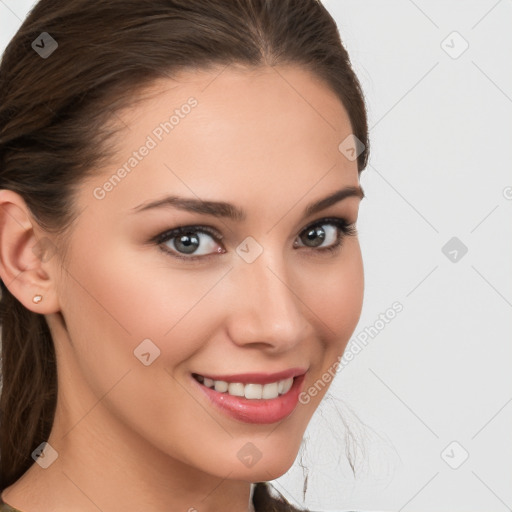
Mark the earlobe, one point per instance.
(24, 263)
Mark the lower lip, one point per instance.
(256, 411)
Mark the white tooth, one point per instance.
(221, 386)
(236, 389)
(270, 391)
(253, 391)
(249, 391)
(287, 385)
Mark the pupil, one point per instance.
(316, 235)
(189, 243)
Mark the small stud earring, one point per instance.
(37, 299)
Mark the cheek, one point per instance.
(336, 296)
(110, 307)
(127, 298)
(338, 301)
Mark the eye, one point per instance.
(186, 240)
(337, 230)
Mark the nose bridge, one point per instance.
(267, 308)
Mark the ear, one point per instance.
(27, 257)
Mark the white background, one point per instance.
(439, 372)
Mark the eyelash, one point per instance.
(342, 224)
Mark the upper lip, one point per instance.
(257, 377)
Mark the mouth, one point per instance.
(253, 398)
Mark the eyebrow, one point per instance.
(230, 211)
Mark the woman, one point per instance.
(180, 268)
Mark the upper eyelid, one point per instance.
(199, 228)
(210, 230)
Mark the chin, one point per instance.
(267, 468)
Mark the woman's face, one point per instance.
(256, 292)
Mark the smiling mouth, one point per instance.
(250, 391)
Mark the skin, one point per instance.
(133, 437)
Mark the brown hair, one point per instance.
(54, 115)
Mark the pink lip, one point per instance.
(257, 378)
(262, 411)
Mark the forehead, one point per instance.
(232, 131)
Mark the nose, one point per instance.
(266, 307)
